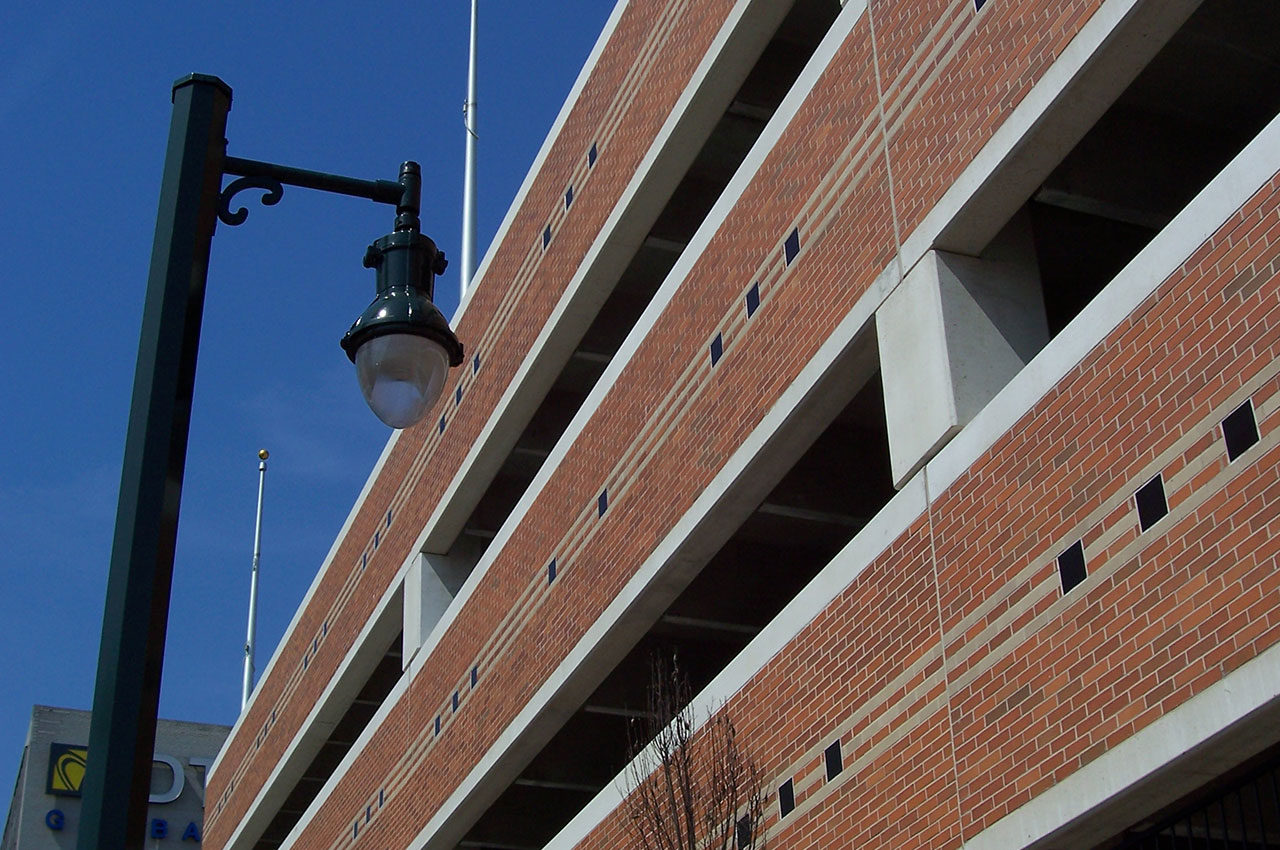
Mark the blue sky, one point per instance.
(84, 103)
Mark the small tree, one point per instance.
(687, 797)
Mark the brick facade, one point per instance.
(961, 681)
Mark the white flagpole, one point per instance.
(469, 173)
(251, 639)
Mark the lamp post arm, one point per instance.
(405, 194)
(381, 191)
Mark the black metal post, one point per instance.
(127, 692)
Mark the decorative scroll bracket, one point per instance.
(274, 192)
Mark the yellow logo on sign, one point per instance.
(66, 768)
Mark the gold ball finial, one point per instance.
(263, 454)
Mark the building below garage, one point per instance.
(45, 811)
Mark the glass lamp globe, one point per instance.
(401, 376)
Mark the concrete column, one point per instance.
(951, 335)
(430, 586)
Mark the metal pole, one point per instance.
(251, 640)
(469, 172)
(127, 692)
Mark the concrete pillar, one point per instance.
(951, 335)
(430, 586)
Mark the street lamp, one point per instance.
(401, 344)
(402, 348)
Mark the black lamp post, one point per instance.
(401, 345)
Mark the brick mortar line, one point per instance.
(889, 711)
(819, 791)
(807, 776)
(572, 542)
(884, 139)
(1208, 486)
(417, 461)
(1123, 525)
(403, 493)
(657, 41)
(495, 648)
(947, 661)
(606, 127)
(610, 124)
(603, 135)
(1267, 410)
(1185, 477)
(1215, 451)
(291, 685)
(769, 274)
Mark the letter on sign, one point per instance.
(179, 779)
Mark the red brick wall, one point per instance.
(946, 724)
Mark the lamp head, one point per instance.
(401, 344)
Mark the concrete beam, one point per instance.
(1091, 205)
(579, 787)
(809, 515)
(612, 711)
(592, 357)
(950, 336)
(429, 588)
(750, 110)
(671, 246)
(709, 625)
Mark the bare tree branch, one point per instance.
(687, 795)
